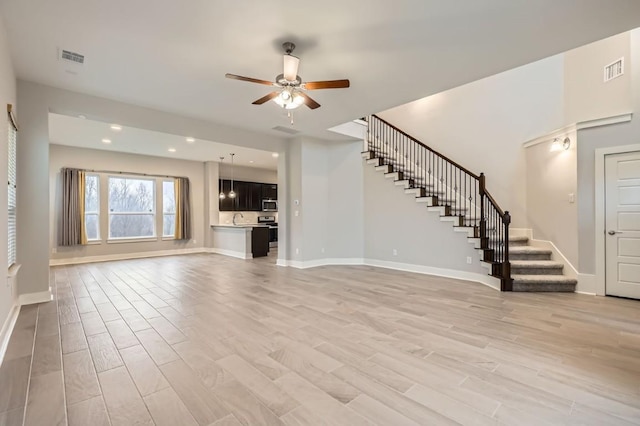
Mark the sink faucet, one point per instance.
(236, 215)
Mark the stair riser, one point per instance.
(518, 243)
(535, 271)
(546, 287)
(530, 256)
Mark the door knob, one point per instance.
(612, 232)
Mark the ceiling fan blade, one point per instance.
(265, 98)
(329, 84)
(309, 102)
(290, 67)
(250, 80)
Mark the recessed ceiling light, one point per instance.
(82, 116)
(171, 150)
(116, 127)
(191, 140)
(275, 155)
(105, 140)
(251, 161)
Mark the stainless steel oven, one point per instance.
(269, 205)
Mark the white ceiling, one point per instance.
(85, 133)
(172, 55)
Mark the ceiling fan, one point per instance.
(291, 89)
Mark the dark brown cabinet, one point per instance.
(269, 191)
(249, 195)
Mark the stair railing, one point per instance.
(461, 192)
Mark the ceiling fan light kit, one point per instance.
(291, 87)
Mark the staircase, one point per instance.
(533, 270)
(462, 198)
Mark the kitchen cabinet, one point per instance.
(260, 241)
(269, 191)
(248, 196)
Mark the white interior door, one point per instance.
(622, 191)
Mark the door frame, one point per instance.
(600, 211)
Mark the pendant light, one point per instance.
(222, 196)
(232, 193)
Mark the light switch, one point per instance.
(296, 213)
(572, 198)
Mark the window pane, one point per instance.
(168, 197)
(91, 226)
(169, 227)
(131, 225)
(91, 194)
(131, 195)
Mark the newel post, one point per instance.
(483, 219)
(507, 282)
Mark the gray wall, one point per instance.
(393, 220)
(248, 174)
(64, 156)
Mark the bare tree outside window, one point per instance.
(168, 208)
(92, 207)
(131, 208)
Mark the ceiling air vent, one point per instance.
(287, 130)
(614, 70)
(72, 56)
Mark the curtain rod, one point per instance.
(113, 172)
(13, 120)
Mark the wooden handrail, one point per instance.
(444, 157)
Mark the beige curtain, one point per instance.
(183, 209)
(72, 230)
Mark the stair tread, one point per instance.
(543, 279)
(528, 249)
(536, 263)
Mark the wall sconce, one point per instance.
(560, 145)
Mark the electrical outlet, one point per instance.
(296, 213)
(395, 252)
(297, 251)
(54, 250)
(322, 250)
(469, 260)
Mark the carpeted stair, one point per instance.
(533, 270)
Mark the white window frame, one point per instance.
(153, 237)
(172, 236)
(94, 213)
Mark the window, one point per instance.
(168, 208)
(131, 207)
(92, 207)
(11, 203)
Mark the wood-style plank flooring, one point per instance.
(212, 340)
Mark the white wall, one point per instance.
(7, 96)
(36, 101)
(586, 94)
(551, 177)
(65, 156)
(248, 174)
(601, 137)
(483, 124)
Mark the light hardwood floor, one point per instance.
(212, 340)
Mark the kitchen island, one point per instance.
(242, 241)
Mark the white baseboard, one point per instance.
(7, 329)
(39, 297)
(231, 253)
(125, 256)
(487, 280)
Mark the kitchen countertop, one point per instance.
(241, 225)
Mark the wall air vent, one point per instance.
(287, 130)
(72, 56)
(614, 70)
